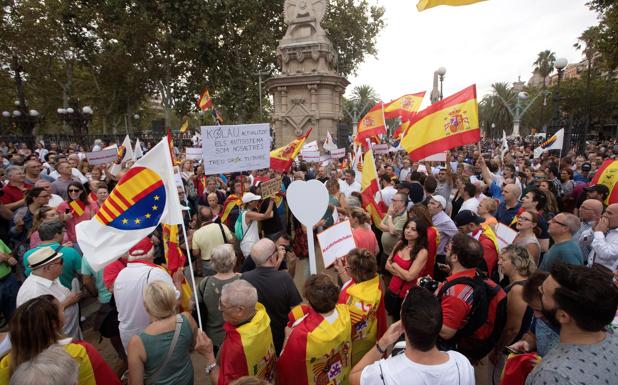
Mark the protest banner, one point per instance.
(380, 149)
(104, 156)
(335, 242)
(505, 235)
(311, 146)
(337, 153)
(233, 148)
(270, 188)
(310, 156)
(193, 153)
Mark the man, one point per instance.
(589, 214)
(445, 185)
(73, 162)
(421, 361)
(349, 185)
(102, 193)
(247, 348)
(129, 289)
(584, 176)
(14, 192)
(46, 266)
(206, 238)
(287, 256)
(605, 239)
(565, 248)
(53, 366)
(469, 223)
(276, 289)
(508, 209)
(470, 201)
(392, 225)
(599, 192)
(441, 221)
(54, 199)
(388, 190)
(64, 178)
(52, 234)
(404, 174)
(33, 169)
(581, 302)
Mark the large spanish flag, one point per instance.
(318, 351)
(426, 4)
(372, 124)
(607, 175)
(404, 106)
(365, 302)
(449, 123)
(281, 158)
(369, 188)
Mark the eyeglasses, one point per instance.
(74, 190)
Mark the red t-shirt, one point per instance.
(366, 239)
(11, 194)
(490, 254)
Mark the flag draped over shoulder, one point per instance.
(369, 188)
(372, 124)
(404, 106)
(449, 123)
(143, 198)
(607, 175)
(426, 4)
(317, 352)
(204, 102)
(281, 158)
(366, 305)
(555, 142)
(230, 202)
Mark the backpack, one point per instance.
(488, 304)
(238, 230)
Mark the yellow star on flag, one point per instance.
(125, 221)
(156, 197)
(147, 215)
(137, 221)
(155, 207)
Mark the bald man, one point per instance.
(589, 213)
(605, 239)
(509, 208)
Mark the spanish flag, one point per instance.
(185, 125)
(401, 130)
(229, 204)
(281, 158)
(174, 260)
(607, 175)
(77, 207)
(404, 106)
(372, 124)
(204, 102)
(318, 351)
(449, 123)
(369, 188)
(248, 349)
(426, 4)
(365, 301)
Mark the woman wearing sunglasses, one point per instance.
(75, 209)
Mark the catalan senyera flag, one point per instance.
(372, 124)
(449, 123)
(143, 198)
(248, 350)
(185, 125)
(365, 301)
(204, 102)
(78, 207)
(404, 106)
(317, 352)
(426, 4)
(370, 187)
(281, 158)
(607, 175)
(230, 202)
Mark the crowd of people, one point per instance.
(430, 295)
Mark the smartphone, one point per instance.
(508, 350)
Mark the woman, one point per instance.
(552, 207)
(215, 206)
(487, 209)
(457, 199)
(161, 353)
(534, 202)
(336, 203)
(35, 326)
(222, 261)
(364, 237)
(249, 220)
(515, 263)
(23, 219)
(407, 262)
(75, 209)
(526, 225)
(45, 214)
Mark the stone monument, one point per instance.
(307, 92)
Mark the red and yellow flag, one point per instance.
(372, 124)
(281, 158)
(369, 188)
(174, 260)
(426, 4)
(607, 175)
(230, 202)
(449, 123)
(77, 207)
(404, 106)
(204, 102)
(185, 125)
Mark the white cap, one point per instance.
(440, 199)
(250, 197)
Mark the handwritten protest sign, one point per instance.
(338, 153)
(270, 188)
(105, 156)
(233, 148)
(335, 242)
(505, 235)
(194, 153)
(380, 149)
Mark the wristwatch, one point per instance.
(211, 367)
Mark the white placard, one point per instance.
(194, 153)
(105, 156)
(311, 146)
(439, 157)
(310, 156)
(505, 235)
(324, 158)
(233, 148)
(335, 242)
(380, 149)
(338, 153)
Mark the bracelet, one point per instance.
(211, 367)
(380, 350)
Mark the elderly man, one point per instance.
(605, 242)
(206, 238)
(565, 248)
(509, 208)
(441, 221)
(14, 191)
(275, 289)
(64, 178)
(589, 214)
(46, 266)
(32, 169)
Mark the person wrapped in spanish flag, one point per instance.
(364, 295)
(318, 349)
(247, 348)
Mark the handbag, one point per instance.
(168, 356)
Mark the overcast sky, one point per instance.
(483, 43)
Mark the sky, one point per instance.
(483, 43)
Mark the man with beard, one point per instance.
(581, 302)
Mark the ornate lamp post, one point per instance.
(78, 119)
(560, 65)
(441, 73)
(520, 108)
(22, 119)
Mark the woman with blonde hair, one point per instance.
(487, 209)
(161, 353)
(364, 237)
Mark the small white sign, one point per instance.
(310, 156)
(505, 235)
(233, 148)
(104, 156)
(311, 146)
(338, 153)
(336, 242)
(439, 157)
(380, 149)
(194, 153)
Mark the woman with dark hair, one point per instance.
(37, 325)
(407, 262)
(23, 219)
(549, 189)
(75, 209)
(526, 226)
(534, 202)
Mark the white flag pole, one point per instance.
(195, 288)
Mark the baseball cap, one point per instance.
(440, 199)
(586, 166)
(600, 188)
(42, 257)
(250, 197)
(467, 216)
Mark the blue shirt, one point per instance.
(505, 215)
(567, 252)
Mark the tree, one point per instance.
(492, 110)
(544, 65)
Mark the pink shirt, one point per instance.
(70, 223)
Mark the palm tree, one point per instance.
(362, 99)
(544, 65)
(493, 110)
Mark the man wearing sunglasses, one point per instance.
(561, 229)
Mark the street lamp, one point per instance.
(78, 119)
(24, 119)
(520, 108)
(560, 64)
(441, 73)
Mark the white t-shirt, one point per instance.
(400, 370)
(471, 204)
(348, 189)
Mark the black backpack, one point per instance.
(488, 302)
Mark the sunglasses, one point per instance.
(74, 190)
